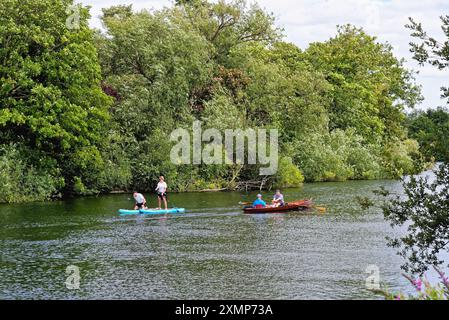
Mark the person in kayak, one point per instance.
(141, 203)
(278, 199)
(259, 203)
(162, 192)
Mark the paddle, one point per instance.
(320, 209)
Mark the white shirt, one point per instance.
(139, 198)
(161, 187)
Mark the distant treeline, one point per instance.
(431, 129)
(86, 111)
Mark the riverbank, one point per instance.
(244, 186)
(119, 192)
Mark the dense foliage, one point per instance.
(431, 130)
(52, 108)
(92, 111)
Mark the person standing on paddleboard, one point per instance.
(140, 201)
(162, 192)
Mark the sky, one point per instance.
(306, 21)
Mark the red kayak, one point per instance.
(290, 206)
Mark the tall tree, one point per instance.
(154, 66)
(228, 24)
(50, 95)
(371, 87)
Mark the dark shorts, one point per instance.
(139, 205)
(162, 195)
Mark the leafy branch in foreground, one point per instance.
(430, 50)
(424, 211)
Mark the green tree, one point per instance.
(431, 130)
(371, 87)
(283, 90)
(152, 67)
(99, 118)
(229, 24)
(50, 96)
(288, 174)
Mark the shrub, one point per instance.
(337, 156)
(288, 174)
(22, 181)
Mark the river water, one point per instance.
(213, 251)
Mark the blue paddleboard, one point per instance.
(151, 211)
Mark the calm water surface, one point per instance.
(211, 252)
